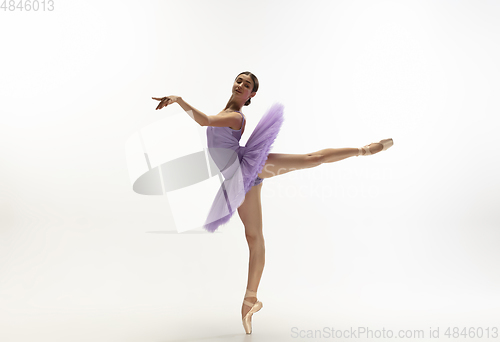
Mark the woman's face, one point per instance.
(243, 86)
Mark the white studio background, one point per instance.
(404, 239)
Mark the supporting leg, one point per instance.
(255, 269)
(251, 215)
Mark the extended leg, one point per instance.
(331, 155)
(281, 163)
(335, 154)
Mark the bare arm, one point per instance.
(223, 119)
(195, 114)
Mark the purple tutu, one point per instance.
(239, 165)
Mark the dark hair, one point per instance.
(255, 83)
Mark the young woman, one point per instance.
(242, 190)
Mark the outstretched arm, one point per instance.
(222, 120)
(195, 114)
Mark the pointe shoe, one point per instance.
(247, 320)
(386, 143)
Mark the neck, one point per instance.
(235, 105)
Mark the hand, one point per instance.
(165, 101)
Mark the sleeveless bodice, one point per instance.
(224, 137)
(224, 146)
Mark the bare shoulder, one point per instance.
(225, 118)
(233, 113)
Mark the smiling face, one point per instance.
(243, 86)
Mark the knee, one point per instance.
(255, 241)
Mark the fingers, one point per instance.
(161, 105)
(164, 101)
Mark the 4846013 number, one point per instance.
(472, 332)
(27, 5)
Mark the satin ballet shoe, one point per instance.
(254, 307)
(386, 143)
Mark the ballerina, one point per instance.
(224, 132)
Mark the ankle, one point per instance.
(370, 149)
(252, 300)
(250, 293)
